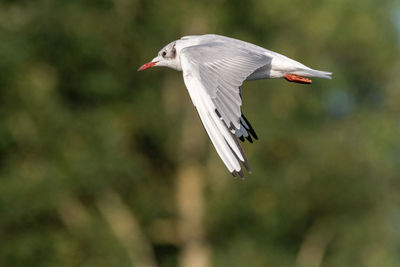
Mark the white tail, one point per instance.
(313, 73)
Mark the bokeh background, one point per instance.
(101, 165)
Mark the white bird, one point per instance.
(214, 68)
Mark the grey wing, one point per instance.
(213, 73)
(245, 130)
(213, 38)
(222, 69)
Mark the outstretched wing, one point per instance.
(213, 73)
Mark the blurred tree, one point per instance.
(97, 162)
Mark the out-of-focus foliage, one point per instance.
(90, 150)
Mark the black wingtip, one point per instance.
(247, 166)
(250, 129)
(253, 133)
(249, 138)
(241, 138)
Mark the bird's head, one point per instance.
(167, 57)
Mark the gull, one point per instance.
(214, 68)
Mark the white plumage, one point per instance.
(214, 68)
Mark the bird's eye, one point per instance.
(164, 53)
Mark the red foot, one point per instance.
(297, 79)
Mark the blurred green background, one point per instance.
(103, 166)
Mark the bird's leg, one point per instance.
(297, 79)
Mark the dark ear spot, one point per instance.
(173, 51)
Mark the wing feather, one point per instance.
(212, 124)
(213, 73)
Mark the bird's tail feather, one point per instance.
(313, 73)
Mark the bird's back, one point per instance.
(278, 67)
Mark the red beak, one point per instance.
(147, 65)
